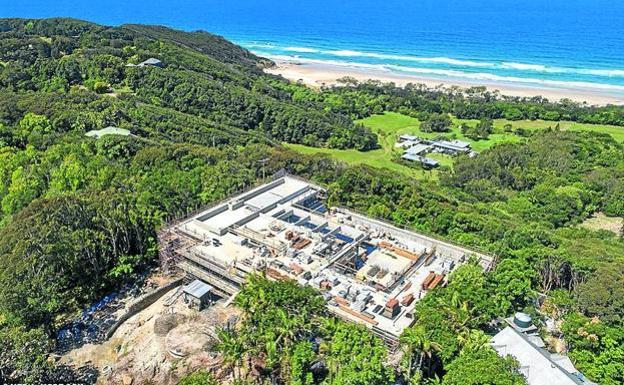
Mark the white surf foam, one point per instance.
(451, 73)
(506, 65)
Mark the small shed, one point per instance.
(197, 294)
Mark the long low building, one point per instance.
(416, 148)
(369, 272)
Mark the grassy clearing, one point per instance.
(615, 131)
(123, 90)
(380, 158)
(600, 221)
(389, 126)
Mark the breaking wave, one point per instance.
(450, 73)
(272, 49)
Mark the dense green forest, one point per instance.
(79, 215)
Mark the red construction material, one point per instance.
(358, 315)
(392, 303)
(296, 268)
(275, 274)
(436, 281)
(385, 245)
(399, 251)
(301, 243)
(408, 299)
(427, 281)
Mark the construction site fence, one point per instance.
(141, 304)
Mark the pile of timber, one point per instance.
(432, 281)
(399, 251)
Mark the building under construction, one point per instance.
(369, 272)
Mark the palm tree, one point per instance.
(458, 311)
(414, 340)
(231, 349)
(474, 340)
(288, 328)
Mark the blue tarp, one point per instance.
(369, 248)
(343, 237)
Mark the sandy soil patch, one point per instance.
(137, 354)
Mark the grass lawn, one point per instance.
(599, 221)
(389, 126)
(380, 158)
(615, 131)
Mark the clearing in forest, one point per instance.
(390, 125)
(600, 221)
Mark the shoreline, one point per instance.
(318, 75)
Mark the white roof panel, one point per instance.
(534, 363)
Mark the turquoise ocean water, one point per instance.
(550, 43)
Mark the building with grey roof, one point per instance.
(197, 294)
(539, 366)
(418, 149)
(453, 148)
(152, 62)
(406, 137)
(426, 162)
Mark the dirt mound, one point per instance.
(164, 324)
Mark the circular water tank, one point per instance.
(522, 320)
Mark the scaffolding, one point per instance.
(171, 243)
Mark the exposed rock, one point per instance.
(126, 379)
(164, 324)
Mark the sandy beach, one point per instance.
(317, 75)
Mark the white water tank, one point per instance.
(522, 320)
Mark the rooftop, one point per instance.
(197, 289)
(538, 365)
(418, 149)
(108, 131)
(417, 158)
(455, 145)
(151, 61)
(409, 137)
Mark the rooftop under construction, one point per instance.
(369, 272)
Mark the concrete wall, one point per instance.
(142, 303)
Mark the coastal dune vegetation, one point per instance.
(79, 215)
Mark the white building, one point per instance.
(539, 366)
